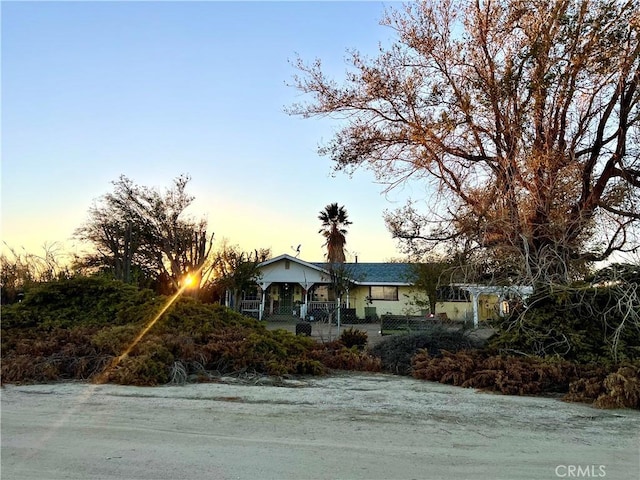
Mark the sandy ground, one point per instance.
(345, 426)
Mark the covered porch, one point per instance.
(304, 301)
(292, 287)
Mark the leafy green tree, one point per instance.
(523, 118)
(428, 277)
(235, 272)
(334, 222)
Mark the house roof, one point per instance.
(383, 273)
(378, 273)
(285, 256)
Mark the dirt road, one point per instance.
(339, 427)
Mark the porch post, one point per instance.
(263, 286)
(475, 294)
(338, 315)
(305, 306)
(262, 297)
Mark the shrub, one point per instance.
(305, 366)
(605, 388)
(577, 324)
(73, 302)
(619, 388)
(188, 316)
(622, 388)
(29, 369)
(336, 356)
(354, 338)
(115, 340)
(505, 374)
(142, 370)
(451, 368)
(189, 338)
(397, 351)
(33, 355)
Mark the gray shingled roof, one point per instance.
(377, 272)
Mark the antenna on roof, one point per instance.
(296, 249)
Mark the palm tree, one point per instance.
(334, 220)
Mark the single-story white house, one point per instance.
(293, 287)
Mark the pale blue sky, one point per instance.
(93, 90)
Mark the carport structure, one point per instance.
(503, 293)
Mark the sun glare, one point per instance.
(187, 281)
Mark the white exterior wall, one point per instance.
(296, 273)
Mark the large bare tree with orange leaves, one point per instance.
(522, 116)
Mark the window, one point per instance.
(383, 293)
(322, 293)
(451, 294)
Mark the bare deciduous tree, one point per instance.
(523, 117)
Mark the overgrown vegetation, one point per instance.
(618, 389)
(512, 375)
(80, 328)
(584, 324)
(337, 356)
(582, 342)
(79, 301)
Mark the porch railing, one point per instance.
(250, 306)
(323, 306)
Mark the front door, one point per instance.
(286, 299)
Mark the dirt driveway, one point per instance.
(347, 426)
(323, 331)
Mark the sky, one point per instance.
(152, 90)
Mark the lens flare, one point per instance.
(104, 376)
